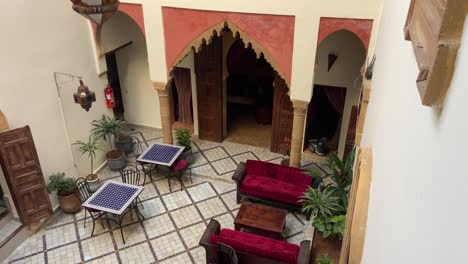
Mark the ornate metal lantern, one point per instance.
(84, 96)
(98, 12)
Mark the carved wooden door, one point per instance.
(20, 165)
(283, 114)
(208, 68)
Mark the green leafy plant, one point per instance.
(61, 184)
(184, 138)
(331, 227)
(342, 176)
(88, 148)
(324, 259)
(324, 204)
(106, 128)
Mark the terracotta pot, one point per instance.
(69, 203)
(325, 246)
(93, 182)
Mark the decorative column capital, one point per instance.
(163, 93)
(300, 107)
(160, 86)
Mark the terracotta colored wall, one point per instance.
(361, 27)
(274, 33)
(135, 11)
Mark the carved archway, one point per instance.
(197, 43)
(272, 35)
(362, 28)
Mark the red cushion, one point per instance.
(273, 189)
(293, 175)
(262, 168)
(257, 245)
(179, 165)
(280, 172)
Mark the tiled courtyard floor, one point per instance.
(174, 221)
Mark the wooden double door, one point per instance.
(23, 174)
(209, 71)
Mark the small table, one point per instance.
(115, 198)
(160, 154)
(261, 220)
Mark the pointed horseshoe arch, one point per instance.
(272, 35)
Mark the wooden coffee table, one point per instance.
(261, 220)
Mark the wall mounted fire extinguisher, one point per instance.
(109, 93)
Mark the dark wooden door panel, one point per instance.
(208, 68)
(283, 114)
(23, 174)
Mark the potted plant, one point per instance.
(106, 128)
(184, 139)
(65, 188)
(324, 259)
(89, 148)
(328, 206)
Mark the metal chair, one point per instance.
(83, 192)
(131, 175)
(178, 169)
(147, 169)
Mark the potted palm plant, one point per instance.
(90, 148)
(108, 128)
(184, 139)
(328, 206)
(65, 188)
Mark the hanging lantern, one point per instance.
(98, 12)
(84, 96)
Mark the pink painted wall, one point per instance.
(361, 27)
(135, 11)
(274, 33)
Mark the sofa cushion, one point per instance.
(272, 188)
(293, 175)
(262, 168)
(257, 245)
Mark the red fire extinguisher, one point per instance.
(109, 93)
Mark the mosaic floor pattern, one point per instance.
(174, 221)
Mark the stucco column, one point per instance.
(164, 108)
(300, 109)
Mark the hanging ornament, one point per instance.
(98, 12)
(84, 96)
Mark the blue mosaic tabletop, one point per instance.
(161, 154)
(113, 197)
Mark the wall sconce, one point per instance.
(332, 57)
(84, 96)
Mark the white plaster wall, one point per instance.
(344, 73)
(307, 15)
(141, 102)
(40, 39)
(189, 63)
(417, 207)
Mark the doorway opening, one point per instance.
(238, 93)
(114, 82)
(181, 99)
(249, 92)
(337, 87)
(324, 117)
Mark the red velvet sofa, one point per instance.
(277, 185)
(252, 248)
